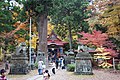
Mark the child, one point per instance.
(46, 75)
(2, 72)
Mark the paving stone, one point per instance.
(65, 75)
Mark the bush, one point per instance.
(36, 65)
(68, 59)
(118, 67)
(71, 67)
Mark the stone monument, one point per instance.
(19, 61)
(83, 64)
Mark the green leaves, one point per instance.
(70, 13)
(5, 18)
(39, 8)
(69, 16)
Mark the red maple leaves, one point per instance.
(97, 38)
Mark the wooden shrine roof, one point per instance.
(54, 40)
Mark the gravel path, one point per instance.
(65, 75)
(98, 75)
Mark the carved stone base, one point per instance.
(18, 70)
(83, 65)
(83, 73)
(19, 65)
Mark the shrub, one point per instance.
(68, 59)
(71, 67)
(118, 67)
(36, 65)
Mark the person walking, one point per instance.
(53, 68)
(3, 76)
(60, 62)
(63, 63)
(6, 65)
(46, 75)
(40, 67)
(57, 63)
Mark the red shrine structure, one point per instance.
(55, 44)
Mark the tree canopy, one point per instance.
(9, 32)
(69, 18)
(96, 39)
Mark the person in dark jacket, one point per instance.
(57, 62)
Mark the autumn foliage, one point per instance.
(19, 26)
(97, 38)
(106, 13)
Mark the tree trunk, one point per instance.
(70, 37)
(70, 34)
(42, 33)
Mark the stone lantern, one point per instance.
(19, 61)
(40, 55)
(83, 64)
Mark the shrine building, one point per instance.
(55, 45)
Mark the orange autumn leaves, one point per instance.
(19, 26)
